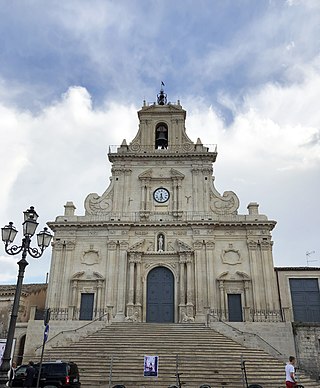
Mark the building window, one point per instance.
(305, 298)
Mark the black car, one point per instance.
(53, 374)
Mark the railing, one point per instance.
(245, 333)
(72, 313)
(175, 148)
(104, 317)
(266, 315)
(248, 315)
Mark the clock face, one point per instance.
(161, 195)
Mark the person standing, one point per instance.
(290, 373)
(11, 373)
(30, 372)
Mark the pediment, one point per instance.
(87, 275)
(168, 108)
(233, 276)
(146, 174)
(137, 247)
(176, 174)
(183, 247)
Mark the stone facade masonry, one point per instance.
(307, 338)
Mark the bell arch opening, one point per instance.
(161, 136)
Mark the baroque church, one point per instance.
(161, 244)
(162, 248)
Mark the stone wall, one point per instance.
(307, 338)
(275, 338)
(60, 333)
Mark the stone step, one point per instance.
(204, 356)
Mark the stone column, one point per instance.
(201, 297)
(222, 299)
(98, 305)
(190, 287)
(179, 203)
(74, 301)
(246, 293)
(131, 279)
(247, 301)
(212, 298)
(195, 173)
(117, 189)
(143, 196)
(255, 275)
(111, 282)
(271, 289)
(174, 196)
(122, 276)
(63, 272)
(138, 281)
(138, 301)
(182, 290)
(182, 281)
(126, 184)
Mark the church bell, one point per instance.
(161, 140)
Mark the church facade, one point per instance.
(161, 244)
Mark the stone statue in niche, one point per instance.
(160, 242)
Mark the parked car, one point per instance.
(53, 374)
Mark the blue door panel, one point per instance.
(86, 307)
(160, 296)
(234, 308)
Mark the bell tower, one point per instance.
(161, 172)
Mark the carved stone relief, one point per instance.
(231, 256)
(90, 257)
(228, 203)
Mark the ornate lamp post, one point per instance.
(8, 235)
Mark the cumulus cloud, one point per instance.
(271, 154)
(261, 68)
(59, 154)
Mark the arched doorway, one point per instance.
(160, 296)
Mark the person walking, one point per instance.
(30, 372)
(290, 373)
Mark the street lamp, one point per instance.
(8, 235)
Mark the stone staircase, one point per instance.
(199, 353)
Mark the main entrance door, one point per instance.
(160, 296)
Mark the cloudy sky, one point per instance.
(73, 74)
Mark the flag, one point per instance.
(162, 83)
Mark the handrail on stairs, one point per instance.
(78, 328)
(246, 332)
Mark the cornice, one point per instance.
(120, 224)
(279, 269)
(165, 155)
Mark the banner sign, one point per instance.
(150, 368)
(3, 346)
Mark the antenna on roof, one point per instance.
(308, 254)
